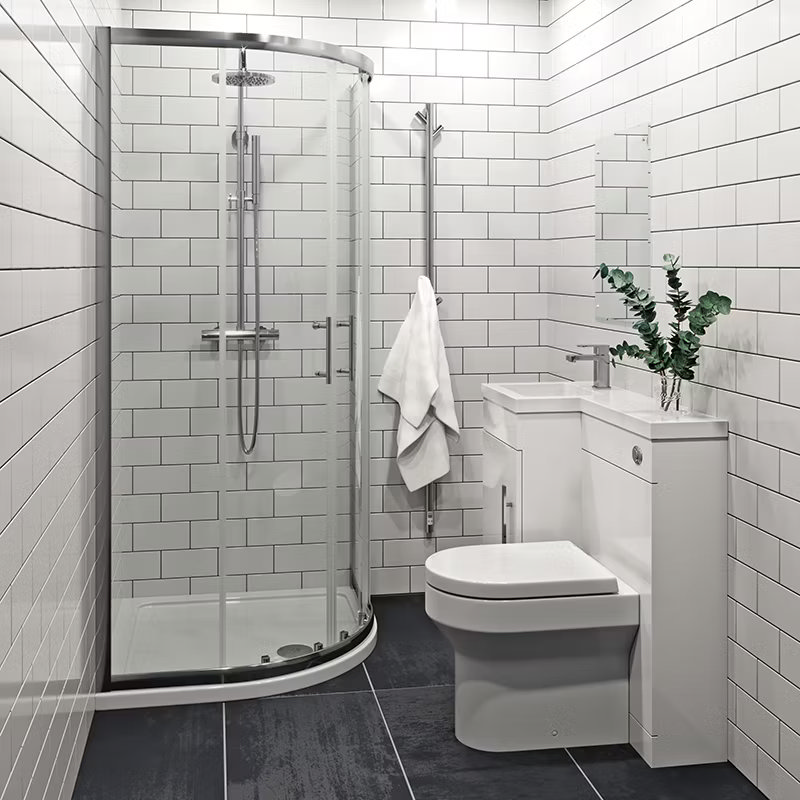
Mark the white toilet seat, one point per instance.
(534, 615)
(522, 570)
(548, 586)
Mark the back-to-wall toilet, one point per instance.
(542, 635)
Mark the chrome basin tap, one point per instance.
(601, 357)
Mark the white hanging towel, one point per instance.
(417, 377)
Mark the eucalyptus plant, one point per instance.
(674, 357)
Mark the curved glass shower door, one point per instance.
(240, 286)
(291, 589)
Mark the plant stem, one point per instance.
(674, 394)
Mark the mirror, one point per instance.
(622, 215)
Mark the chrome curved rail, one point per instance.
(252, 41)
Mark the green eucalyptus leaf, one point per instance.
(677, 355)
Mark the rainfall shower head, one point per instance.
(244, 77)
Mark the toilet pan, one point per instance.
(542, 635)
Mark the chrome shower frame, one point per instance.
(240, 681)
(251, 41)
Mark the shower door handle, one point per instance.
(348, 323)
(318, 325)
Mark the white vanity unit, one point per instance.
(643, 492)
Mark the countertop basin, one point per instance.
(636, 412)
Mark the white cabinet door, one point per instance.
(502, 491)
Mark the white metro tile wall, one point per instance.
(480, 60)
(719, 83)
(52, 570)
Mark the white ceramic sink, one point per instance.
(524, 398)
(555, 389)
(642, 414)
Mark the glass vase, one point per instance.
(671, 393)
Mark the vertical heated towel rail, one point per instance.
(432, 132)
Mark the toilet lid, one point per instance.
(518, 571)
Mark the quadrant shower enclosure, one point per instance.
(238, 358)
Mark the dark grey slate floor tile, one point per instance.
(439, 767)
(172, 753)
(353, 681)
(411, 651)
(619, 774)
(316, 747)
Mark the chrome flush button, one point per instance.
(637, 456)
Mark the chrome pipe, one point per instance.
(430, 125)
(255, 157)
(240, 243)
(241, 303)
(430, 507)
(247, 448)
(432, 131)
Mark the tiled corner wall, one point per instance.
(479, 60)
(719, 80)
(51, 627)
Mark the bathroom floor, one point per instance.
(380, 732)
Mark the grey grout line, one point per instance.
(417, 688)
(224, 755)
(311, 694)
(391, 738)
(586, 777)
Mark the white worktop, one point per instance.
(635, 412)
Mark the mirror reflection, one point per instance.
(622, 215)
